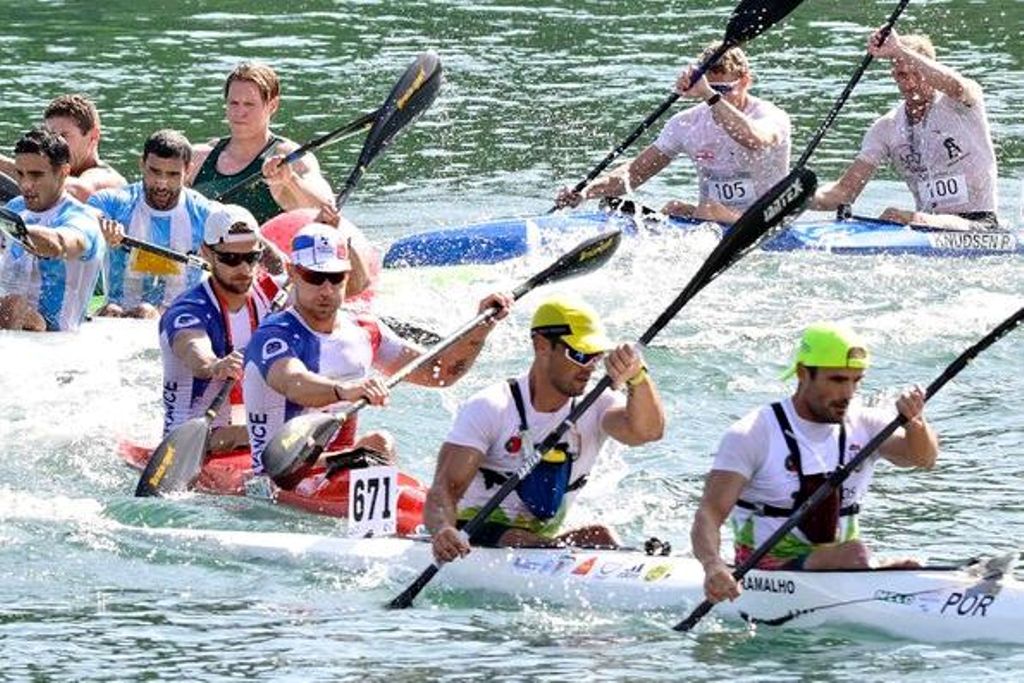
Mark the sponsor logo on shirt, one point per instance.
(273, 347)
(186, 320)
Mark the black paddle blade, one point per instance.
(587, 256)
(411, 96)
(413, 333)
(8, 188)
(177, 461)
(300, 441)
(751, 18)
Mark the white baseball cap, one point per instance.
(229, 223)
(321, 248)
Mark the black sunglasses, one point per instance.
(316, 278)
(233, 259)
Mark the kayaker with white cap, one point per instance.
(776, 456)
(316, 355)
(205, 331)
(496, 428)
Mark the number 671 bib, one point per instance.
(372, 501)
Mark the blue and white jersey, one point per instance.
(349, 352)
(134, 276)
(186, 396)
(59, 289)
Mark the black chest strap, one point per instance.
(494, 478)
(794, 453)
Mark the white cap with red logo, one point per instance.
(229, 223)
(321, 248)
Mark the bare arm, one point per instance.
(7, 166)
(629, 176)
(721, 491)
(642, 419)
(941, 77)
(291, 377)
(53, 243)
(456, 467)
(916, 444)
(297, 185)
(451, 365)
(194, 349)
(846, 189)
(93, 180)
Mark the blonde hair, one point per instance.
(919, 43)
(734, 61)
(261, 75)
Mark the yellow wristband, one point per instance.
(638, 379)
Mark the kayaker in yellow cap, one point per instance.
(496, 429)
(776, 456)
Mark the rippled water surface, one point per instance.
(535, 93)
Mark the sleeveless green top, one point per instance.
(256, 197)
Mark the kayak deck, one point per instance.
(982, 601)
(226, 474)
(500, 240)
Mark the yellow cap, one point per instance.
(829, 345)
(574, 322)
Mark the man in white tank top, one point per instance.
(775, 457)
(497, 428)
(937, 139)
(739, 144)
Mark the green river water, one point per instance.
(535, 94)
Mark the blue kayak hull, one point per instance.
(496, 241)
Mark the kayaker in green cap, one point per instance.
(776, 456)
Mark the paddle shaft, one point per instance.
(840, 474)
(834, 112)
(592, 251)
(170, 254)
(651, 119)
(349, 129)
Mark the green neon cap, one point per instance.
(830, 345)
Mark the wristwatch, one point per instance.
(713, 100)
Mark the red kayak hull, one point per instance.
(226, 474)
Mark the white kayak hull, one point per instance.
(940, 604)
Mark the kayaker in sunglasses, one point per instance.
(776, 456)
(204, 332)
(316, 355)
(937, 139)
(495, 429)
(739, 143)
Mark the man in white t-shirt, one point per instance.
(776, 456)
(496, 429)
(937, 139)
(739, 144)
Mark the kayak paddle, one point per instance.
(299, 443)
(412, 95)
(841, 473)
(784, 199)
(697, 614)
(750, 19)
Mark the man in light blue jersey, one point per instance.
(48, 275)
(161, 210)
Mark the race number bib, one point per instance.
(372, 501)
(941, 192)
(730, 191)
